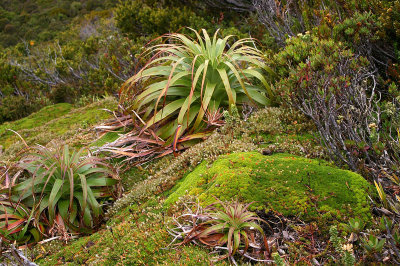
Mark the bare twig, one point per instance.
(14, 255)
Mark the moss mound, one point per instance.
(60, 123)
(41, 117)
(284, 183)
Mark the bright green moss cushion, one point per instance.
(287, 184)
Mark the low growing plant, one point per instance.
(278, 259)
(373, 244)
(235, 224)
(225, 226)
(356, 225)
(344, 250)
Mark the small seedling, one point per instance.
(373, 244)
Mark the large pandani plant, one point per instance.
(178, 95)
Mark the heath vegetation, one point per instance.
(199, 132)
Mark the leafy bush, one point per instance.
(65, 189)
(92, 58)
(358, 29)
(390, 30)
(364, 34)
(144, 18)
(42, 21)
(187, 81)
(389, 17)
(80, 67)
(17, 107)
(286, 19)
(62, 71)
(338, 91)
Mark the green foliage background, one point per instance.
(42, 20)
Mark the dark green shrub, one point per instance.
(304, 58)
(301, 52)
(15, 107)
(43, 20)
(363, 33)
(286, 19)
(97, 64)
(141, 18)
(338, 90)
(390, 19)
(357, 29)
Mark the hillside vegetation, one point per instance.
(54, 124)
(186, 132)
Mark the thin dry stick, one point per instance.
(19, 137)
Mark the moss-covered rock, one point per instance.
(284, 183)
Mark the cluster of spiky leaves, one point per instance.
(391, 202)
(62, 190)
(16, 224)
(188, 80)
(234, 224)
(227, 225)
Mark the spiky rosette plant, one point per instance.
(224, 226)
(234, 225)
(64, 188)
(187, 81)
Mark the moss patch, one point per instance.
(132, 177)
(34, 120)
(288, 184)
(57, 123)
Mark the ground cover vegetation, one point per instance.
(299, 181)
(199, 132)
